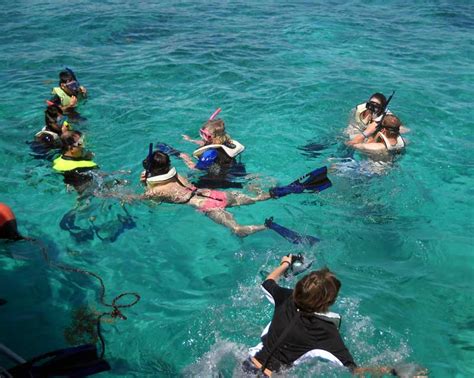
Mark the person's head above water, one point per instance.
(213, 132)
(391, 126)
(316, 291)
(157, 164)
(69, 83)
(73, 142)
(54, 117)
(376, 103)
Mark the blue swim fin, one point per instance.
(291, 236)
(314, 181)
(167, 149)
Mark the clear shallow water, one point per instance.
(286, 75)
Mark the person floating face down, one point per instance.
(386, 138)
(166, 185)
(217, 156)
(75, 163)
(302, 326)
(68, 91)
(56, 123)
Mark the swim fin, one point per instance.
(291, 236)
(77, 361)
(67, 223)
(315, 181)
(167, 149)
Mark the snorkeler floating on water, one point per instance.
(165, 184)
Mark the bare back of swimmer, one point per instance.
(166, 185)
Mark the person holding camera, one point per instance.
(302, 326)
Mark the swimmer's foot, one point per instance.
(243, 231)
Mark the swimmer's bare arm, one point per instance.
(187, 160)
(370, 147)
(195, 141)
(281, 269)
(404, 130)
(361, 137)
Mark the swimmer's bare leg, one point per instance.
(240, 199)
(227, 219)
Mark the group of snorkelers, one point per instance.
(302, 326)
(59, 132)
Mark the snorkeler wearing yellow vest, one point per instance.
(74, 162)
(69, 90)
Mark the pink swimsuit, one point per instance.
(215, 200)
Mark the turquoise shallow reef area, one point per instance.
(286, 75)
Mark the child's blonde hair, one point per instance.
(216, 128)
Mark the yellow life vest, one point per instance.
(65, 165)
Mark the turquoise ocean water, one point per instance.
(286, 75)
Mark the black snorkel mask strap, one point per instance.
(148, 160)
(385, 110)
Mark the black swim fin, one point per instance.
(315, 181)
(291, 236)
(77, 361)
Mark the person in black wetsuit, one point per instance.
(302, 326)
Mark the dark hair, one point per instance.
(379, 96)
(159, 163)
(391, 124)
(51, 114)
(316, 291)
(68, 139)
(65, 76)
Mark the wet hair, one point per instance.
(51, 114)
(380, 97)
(316, 291)
(65, 76)
(391, 124)
(159, 164)
(216, 128)
(69, 139)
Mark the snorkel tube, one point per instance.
(214, 115)
(385, 110)
(148, 160)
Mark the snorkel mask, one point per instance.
(374, 107)
(73, 86)
(80, 142)
(205, 135)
